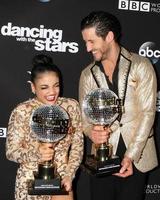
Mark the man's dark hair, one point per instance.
(103, 23)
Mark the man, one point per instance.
(133, 79)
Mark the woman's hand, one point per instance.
(46, 151)
(67, 183)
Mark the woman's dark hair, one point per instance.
(43, 63)
(103, 23)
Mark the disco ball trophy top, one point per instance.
(50, 125)
(102, 107)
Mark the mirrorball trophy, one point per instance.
(50, 125)
(102, 107)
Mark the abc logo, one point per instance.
(148, 49)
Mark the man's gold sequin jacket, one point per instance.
(140, 106)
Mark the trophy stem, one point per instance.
(46, 170)
(103, 152)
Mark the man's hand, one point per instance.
(100, 134)
(126, 169)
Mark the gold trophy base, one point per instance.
(102, 168)
(46, 187)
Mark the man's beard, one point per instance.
(97, 59)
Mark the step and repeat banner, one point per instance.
(30, 27)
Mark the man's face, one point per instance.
(98, 46)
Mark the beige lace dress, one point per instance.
(22, 145)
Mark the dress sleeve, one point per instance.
(69, 151)
(85, 85)
(19, 147)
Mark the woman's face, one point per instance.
(46, 87)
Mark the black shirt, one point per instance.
(113, 86)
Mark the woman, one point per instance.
(23, 148)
